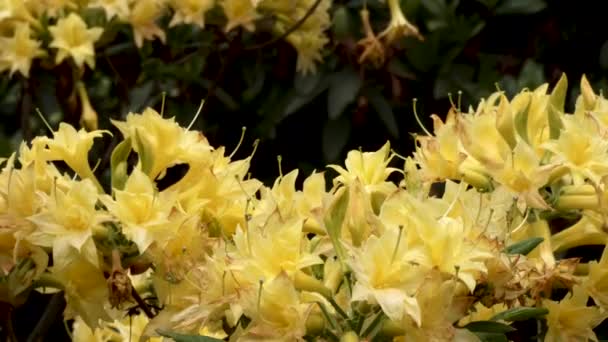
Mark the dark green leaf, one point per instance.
(524, 247)
(187, 338)
(343, 89)
(521, 7)
(489, 327)
(335, 136)
(520, 314)
(384, 111)
(298, 101)
(491, 337)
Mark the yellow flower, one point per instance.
(69, 219)
(19, 50)
(596, 283)
(582, 148)
(370, 168)
(190, 11)
(440, 156)
(523, 174)
(571, 319)
(276, 311)
(286, 255)
(112, 8)
(163, 142)
(308, 45)
(142, 211)
(240, 13)
(85, 287)
(387, 274)
(16, 10)
(72, 38)
(72, 147)
(143, 17)
(399, 26)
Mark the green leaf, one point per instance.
(520, 314)
(118, 164)
(524, 247)
(343, 89)
(384, 111)
(489, 327)
(298, 101)
(491, 337)
(187, 338)
(557, 102)
(334, 218)
(520, 7)
(146, 155)
(305, 84)
(335, 137)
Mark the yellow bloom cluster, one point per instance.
(358, 256)
(22, 31)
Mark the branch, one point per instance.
(296, 26)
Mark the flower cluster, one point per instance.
(219, 254)
(25, 25)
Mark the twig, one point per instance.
(296, 26)
(142, 304)
(53, 310)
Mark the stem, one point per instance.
(6, 318)
(142, 304)
(53, 310)
(292, 29)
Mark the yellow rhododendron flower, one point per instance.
(72, 38)
(112, 8)
(596, 282)
(240, 13)
(143, 18)
(571, 319)
(286, 254)
(276, 311)
(190, 11)
(85, 287)
(582, 148)
(370, 168)
(142, 211)
(440, 156)
(19, 50)
(72, 147)
(69, 219)
(387, 274)
(398, 26)
(166, 142)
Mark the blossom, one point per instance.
(190, 11)
(19, 50)
(112, 8)
(72, 147)
(72, 38)
(398, 26)
(143, 17)
(69, 219)
(142, 211)
(571, 319)
(387, 274)
(370, 168)
(239, 13)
